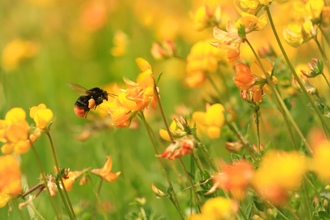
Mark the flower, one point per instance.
(178, 149)
(278, 173)
(105, 171)
(217, 208)
(15, 52)
(253, 78)
(321, 162)
(10, 179)
(315, 68)
(213, 119)
(69, 178)
(204, 18)
(235, 178)
(168, 49)
(176, 132)
(14, 132)
(41, 115)
(202, 59)
(120, 41)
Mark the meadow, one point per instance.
(216, 109)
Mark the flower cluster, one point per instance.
(178, 149)
(204, 18)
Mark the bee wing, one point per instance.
(79, 89)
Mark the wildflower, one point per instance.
(234, 147)
(202, 59)
(321, 160)
(295, 34)
(315, 68)
(93, 16)
(213, 119)
(41, 115)
(303, 78)
(15, 52)
(167, 49)
(250, 4)
(157, 191)
(10, 179)
(176, 132)
(178, 149)
(105, 171)
(204, 18)
(217, 208)
(235, 178)
(120, 42)
(253, 78)
(69, 178)
(278, 173)
(14, 132)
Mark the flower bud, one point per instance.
(325, 203)
(157, 191)
(315, 68)
(168, 49)
(234, 147)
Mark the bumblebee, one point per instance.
(88, 100)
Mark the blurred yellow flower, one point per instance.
(278, 173)
(295, 34)
(70, 179)
(168, 49)
(105, 172)
(217, 208)
(213, 119)
(120, 42)
(250, 4)
(15, 52)
(321, 162)
(204, 18)
(14, 132)
(10, 179)
(41, 115)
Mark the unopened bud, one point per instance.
(316, 201)
(246, 96)
(166, 50)
(234, 147)
(232, 115)
(325, 203)
(315, 68)
(83, 181)
(157, 191)
(256, 217)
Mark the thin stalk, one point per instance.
(244, 142)
(98, 193)
(243, 214)
(176, 203)
(295, 125)
(325, 58)
(207, 154)
(293, 213)
(307, 202)
(45, 180)
(270, 83)
(326, 79)
(144, 216)
(63, 200)
(325, 36)
(257, 121)
(294, 72)
(97, 198)
(192, 184)
(215, 88)
(59, 173)
(198, 162)
(36, 211)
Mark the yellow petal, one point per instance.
(215, 116)
(4, 198)
(22, 147)
(164, 134)
(143, 64)
(213, 132)
(7, 148)
(42, 117)
(15, 115)
(200, 118)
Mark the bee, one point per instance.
(89, 99)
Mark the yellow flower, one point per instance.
(321, 160)
(213, 119)
(14, 132)
(204, 18)
(70, 179)
(250, 4)
(41, 115)
(105, 172)
(217, 208)
(120, 42)
(10, 179)
(16, 51)
(278, 173)
(295, 34)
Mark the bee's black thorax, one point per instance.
(96, 93)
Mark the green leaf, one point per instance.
(259, 205)
(324, 215)
(191, 175)
(241, 31)
(248, 210)
(235, 157)
(159, 76)
(287, 102)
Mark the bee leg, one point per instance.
(86, 114)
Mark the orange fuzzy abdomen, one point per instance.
(79, 112)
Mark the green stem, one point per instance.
(257, 114)
(293, 213)
(244, 142)
(270, 204)
(206, 153)
(325, 59)
(45, 180)
(295, 125)
(98, 193)
(326, 79)
(294, 72)
(215, 88)
(325, 36)
(36, 211)
(270, 83)
(144, 216)
(97, 198)
(176, 203)
(198, 162)
(192, 184)
(63, 200)
(59, 173)
(243, 214)
(307, 202)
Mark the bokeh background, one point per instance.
(94, 43)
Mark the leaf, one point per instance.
(191, 175)
(259, 205)
(248, 210)
(324, 215)
(235, 157)
(206, 175)
(159, 76)
(268, 145)
(287, 102)
(241, 31)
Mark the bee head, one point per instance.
(105, 95)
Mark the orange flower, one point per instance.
(105, 172)
(14, 132)
(41, 115)
(234, 177)
(167, 49)
(253, 78)
(10, 179)
(180, 148)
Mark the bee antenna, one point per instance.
(112, 94)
